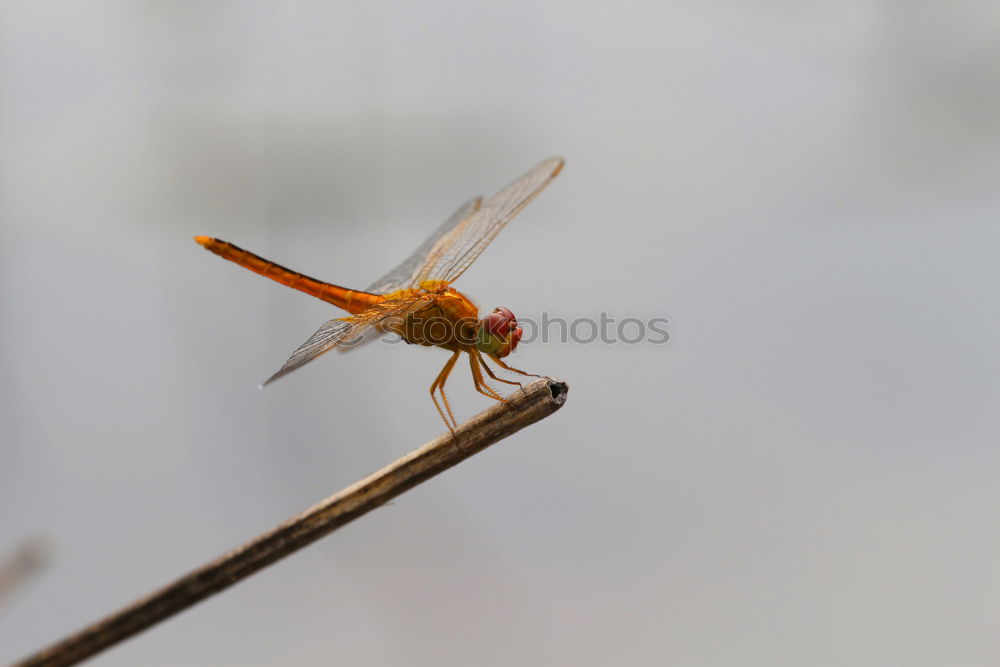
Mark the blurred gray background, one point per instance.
(806, 474)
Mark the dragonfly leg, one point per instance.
(490, 372)
(477, 379)
(439, 385)
(511, 368)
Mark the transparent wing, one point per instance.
(402, 275)
(348, 330)
(456, 250)
(367, 336)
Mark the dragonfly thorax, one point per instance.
(450, 321)
(436, 286)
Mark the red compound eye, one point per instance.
(501, 332)
(515, 337)
(500, 322)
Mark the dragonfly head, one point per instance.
(498, 333)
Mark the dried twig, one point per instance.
(536, 401)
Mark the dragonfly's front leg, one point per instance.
(439, 384)
(511, 368)
(490, 372)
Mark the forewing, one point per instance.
(402, 275)
(348, 331)
(456, 250)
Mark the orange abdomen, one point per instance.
(353, 301)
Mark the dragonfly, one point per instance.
(415, 300)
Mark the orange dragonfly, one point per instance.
(415, 300)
